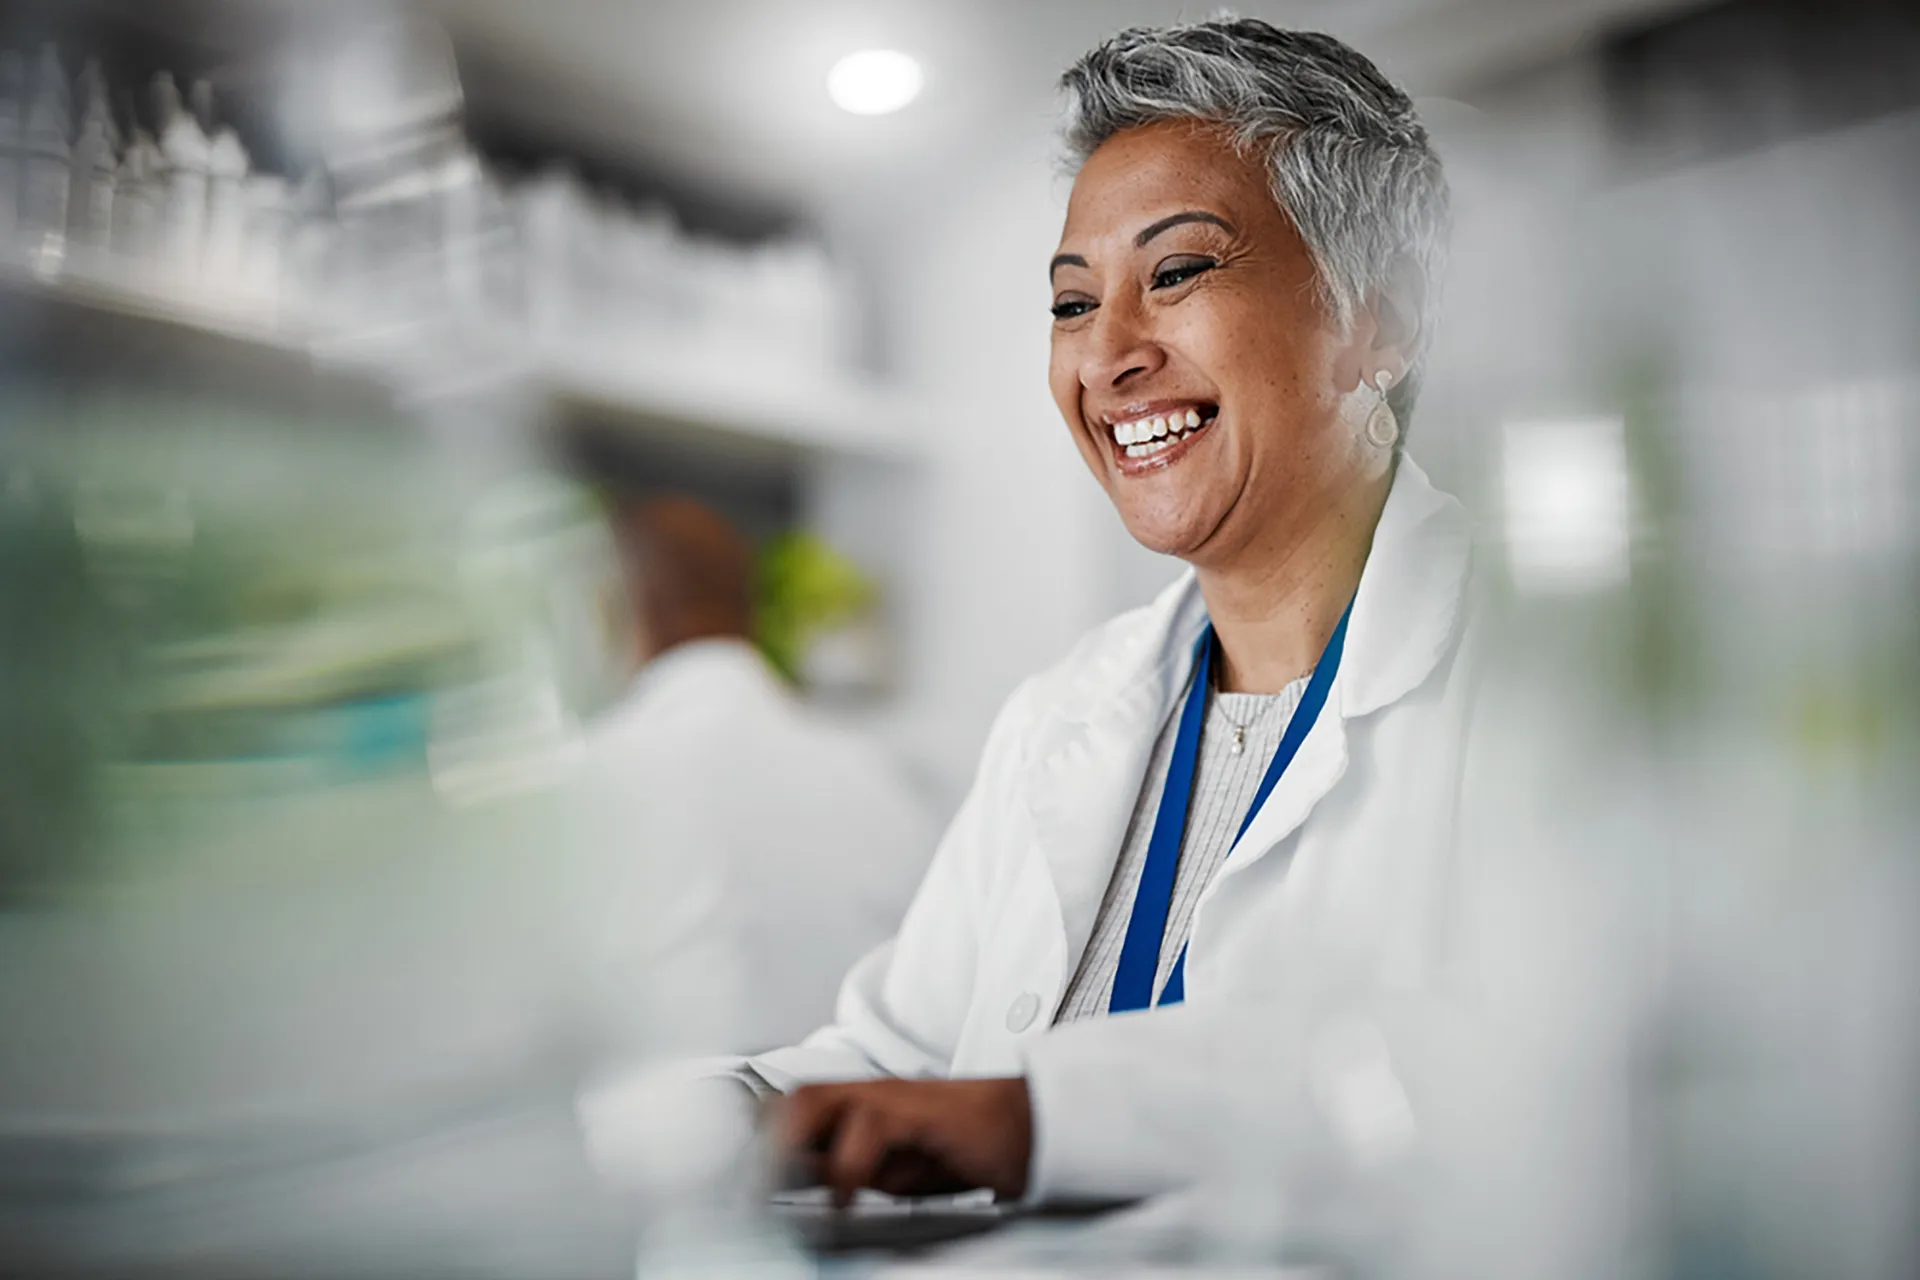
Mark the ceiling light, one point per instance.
(874, 82)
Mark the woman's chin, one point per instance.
(1175, 534)
(1174, 508)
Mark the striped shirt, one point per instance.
(1223, 786)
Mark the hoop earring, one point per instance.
(1383, 429)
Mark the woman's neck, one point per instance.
(1275, 606)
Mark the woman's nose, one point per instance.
(1120, 348)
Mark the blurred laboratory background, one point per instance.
(339, 342)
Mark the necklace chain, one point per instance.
(1239, 729)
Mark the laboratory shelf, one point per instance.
(97, 296)
(87, 324)
(73, 319)
(90, 328)
(738, 405)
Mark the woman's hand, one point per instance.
(911, 1137)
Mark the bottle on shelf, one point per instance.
(95, 170)
(227, 169)
(139, 203)
(188, 154)
(269, 222)
(13, 112)
(200, 102)
(460, 213)
(47, 172)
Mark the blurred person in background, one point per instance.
(800, 842)
(1232, 810)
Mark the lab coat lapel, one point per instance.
(1090, 759)
(1404, 619)
(1321, 761)
(1090, 762)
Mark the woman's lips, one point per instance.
(1168, 454)
(1161, 452)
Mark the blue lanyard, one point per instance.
(1140, 953)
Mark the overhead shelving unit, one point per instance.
(87, 313)
(703, 405)
(92, 323)
(732, 407)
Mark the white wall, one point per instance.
(1006, 557)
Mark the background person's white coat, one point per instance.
(793, 847)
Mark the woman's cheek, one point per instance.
(1066, 393)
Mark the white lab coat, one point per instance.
(1342, 887)
(788, 845)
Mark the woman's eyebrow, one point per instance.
(1065, 260)
(1139, 242)
(1176, 219)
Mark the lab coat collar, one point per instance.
(1090, 761)
(690, 676)
(1407, 611)
(1404, 618)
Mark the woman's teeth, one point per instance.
(1148, 436)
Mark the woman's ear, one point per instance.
(1397, 311)
(1387, 336)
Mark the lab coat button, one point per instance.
(1021, 1012)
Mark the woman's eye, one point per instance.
(1180, 272)
(1068, 308)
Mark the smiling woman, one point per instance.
(1229, 813)
(1186, 291)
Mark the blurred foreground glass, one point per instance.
(313, 912)
(295, 884)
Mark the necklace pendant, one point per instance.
(1239, 740)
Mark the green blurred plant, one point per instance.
(806, 587)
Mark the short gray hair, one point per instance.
(1350, 162)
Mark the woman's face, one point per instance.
(1187, 317)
